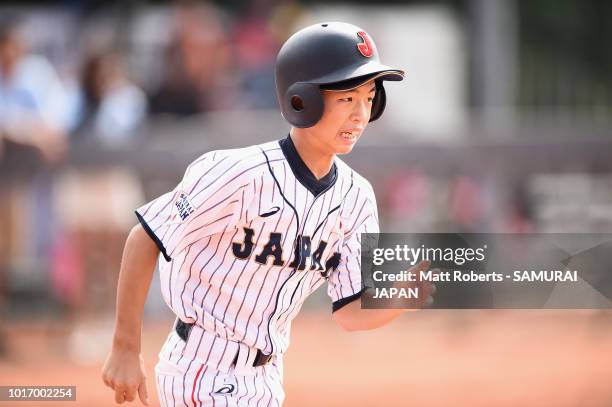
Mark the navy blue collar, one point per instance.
(303, 173)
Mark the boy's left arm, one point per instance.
(344, 283)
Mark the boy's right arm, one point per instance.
(124, 368)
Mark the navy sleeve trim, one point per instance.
(345, 301)
(152, 235)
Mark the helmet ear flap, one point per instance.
(303, 104)
(379, 102)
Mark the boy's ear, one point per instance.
(379, 102)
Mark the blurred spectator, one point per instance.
(33, 118)
(407, 193)
(32, 99)
(466, 205)
(108, 106)
(257, 35)
(518, 216)
(256, 47)
(86, 256)
(196, 64)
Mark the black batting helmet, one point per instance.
(336, 56)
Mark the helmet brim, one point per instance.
(359, 81)
(355, 77)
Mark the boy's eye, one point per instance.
(350, 99)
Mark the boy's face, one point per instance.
(345, 117)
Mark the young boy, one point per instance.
(248, 234)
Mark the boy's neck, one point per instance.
(318, 162)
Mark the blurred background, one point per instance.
(503, 124)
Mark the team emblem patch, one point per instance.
(183, 206)
(365, 47)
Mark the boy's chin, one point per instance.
(342, 150)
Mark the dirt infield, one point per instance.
(430, 358)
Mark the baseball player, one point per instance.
(249, 234)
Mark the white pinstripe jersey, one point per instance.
(227, 234)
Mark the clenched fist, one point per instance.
(124, 372)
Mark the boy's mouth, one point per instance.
(347, 135)
(350, 135)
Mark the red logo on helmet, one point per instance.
(365, 47)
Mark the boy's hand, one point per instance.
(426, 289)
(124, 372)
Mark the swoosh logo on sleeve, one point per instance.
(271, 212)
(226, 389)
